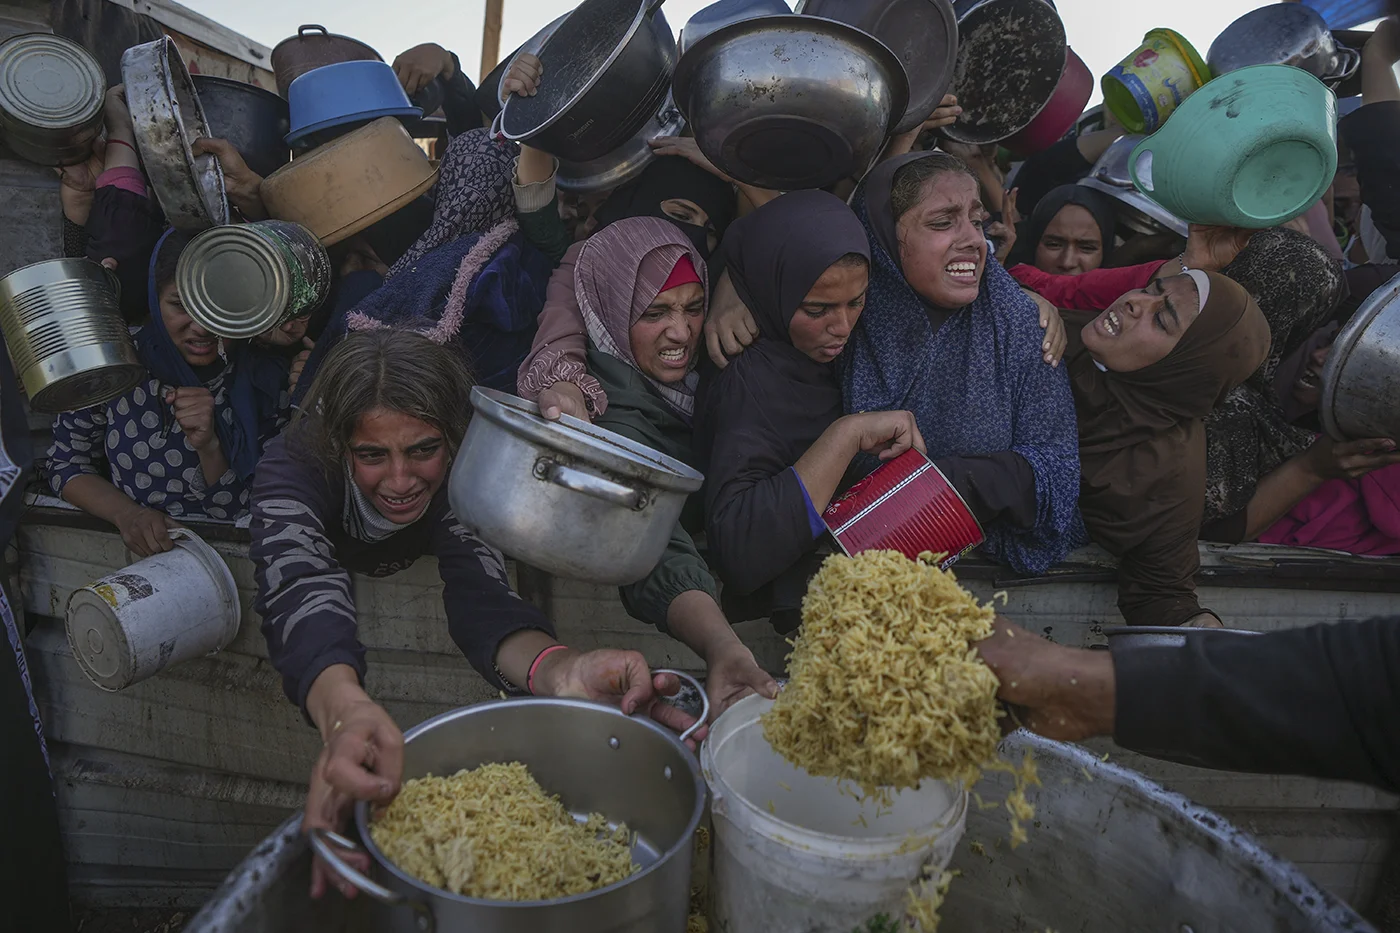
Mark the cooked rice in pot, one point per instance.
(493, 833)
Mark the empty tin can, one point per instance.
(51, 96)
(240, 280)
(66, 335)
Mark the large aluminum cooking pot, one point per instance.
(1283, 34)
(1011, 54)
(1110, 852)
(66, 335)
(1137, 211)
(607, 68)
(252, 119)
(788, 102)
(1164, 636)
(51, 98)
(596, 760)
(167, 117)
(565, 496)
(311, 48)
(923, 35)
(1361, 381)
(723, 12)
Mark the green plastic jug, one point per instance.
(1253, 148)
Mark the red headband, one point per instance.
(682, 273)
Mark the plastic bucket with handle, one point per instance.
(799, 854)
(159, 611)
(1254, 148)
(1145, 88)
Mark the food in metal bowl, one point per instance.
(493, 833)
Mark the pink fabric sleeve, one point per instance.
(1381, 492)
(560, 350)
(1092, 291)
(126, 178)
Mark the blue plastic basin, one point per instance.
(346, 92)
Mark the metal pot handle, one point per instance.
(1353, 60)
(590, 485)
(653, 6)
(301, 30)
(704, 699)
(321, 841)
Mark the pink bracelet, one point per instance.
(530, 678)
(122, 142)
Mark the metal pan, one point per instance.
(167, 117)
(923, 35)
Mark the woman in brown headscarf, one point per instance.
(1145, 373)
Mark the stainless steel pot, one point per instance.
(1139, 212)
(167, 117)
(596, 760)
(51, 98)
(923, 35)
(1283, 34)
(66, 335)
(1163, 636)
(1011, 54)
(625, 162)
(789, 102)
(723, 12)
(565, 496)
(607, 68)
(1361, 381)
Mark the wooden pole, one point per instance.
(491, 36)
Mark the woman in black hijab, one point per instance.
(675, 189)
(1071, 232)
(769, 428)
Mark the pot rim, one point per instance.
(236, 85)
(1342, 348)
(300, 36)
(1112, 631)
(701, 52)
(643, 12)
(586, 441)
(692, 763)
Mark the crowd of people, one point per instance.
(1075, 382)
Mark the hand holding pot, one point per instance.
(887, 434)
(362, 760)
(421, 65)
(621, 678)
(1328, 459)
(145, 531)
(1212, 248)
(1060, 693)
(244, 186)
(563, 398)
(523, 77)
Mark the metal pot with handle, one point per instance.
(607, 69)
(1283, 34)
(565, 496)
(597, 760)
(312, 47)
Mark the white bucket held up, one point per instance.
(159, 611)
(791, 853)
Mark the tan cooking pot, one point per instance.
(339, 189)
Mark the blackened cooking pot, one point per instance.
(607, 69)
(252, 119)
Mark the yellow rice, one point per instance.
(493, 833)
(886, 687)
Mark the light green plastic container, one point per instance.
(1253, 148)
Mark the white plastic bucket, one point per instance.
(791, 853)
(159, 611)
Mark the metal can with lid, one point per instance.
(66, 335)
(51, 97)
(238, 281)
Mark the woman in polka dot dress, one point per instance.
(183, 443)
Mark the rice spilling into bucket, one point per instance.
(493, 833)
(886, 687)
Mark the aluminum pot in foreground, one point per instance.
(565, 496)
(1111, 851)
(597, 760)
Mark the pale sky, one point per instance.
(1102, 32)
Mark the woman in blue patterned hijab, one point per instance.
(950, 336)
